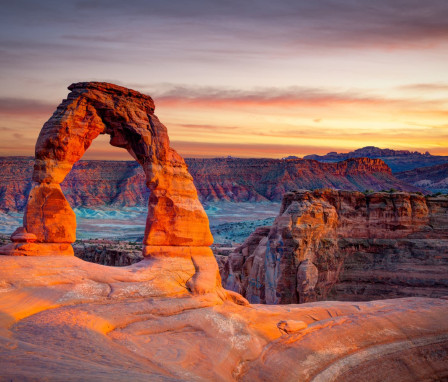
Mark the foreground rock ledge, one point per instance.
(65, 319)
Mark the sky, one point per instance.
(252, 78)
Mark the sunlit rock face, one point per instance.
(176, 224)
(343, 245)
(175, 216)
(65, 319)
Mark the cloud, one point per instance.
(206, 127)
(429, 87)
(22, 107)
(296, 97)
(234, 25)
(248, 150)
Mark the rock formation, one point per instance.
(397, 160)
(344, 245)
(176, 225)
(93, 183)
(238, 179)
(433, 178)
(108, 252)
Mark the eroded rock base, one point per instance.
(37, 249)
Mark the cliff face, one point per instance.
(112, 183)
(434, 178)
(89, 183)
(106, 252)
(237, 179)
(15, 182)
(397, 160)
(344, 245)
(121, 183)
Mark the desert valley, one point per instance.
(224, 191)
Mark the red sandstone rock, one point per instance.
(37, 249)
(175, 216)
(291, 326)
(241, 179)
(123, 183)
(67, 319)
(49, 216)
(433, 178)
(344, 245)
(20, 235)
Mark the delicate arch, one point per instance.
(175, 215)
(177, 234)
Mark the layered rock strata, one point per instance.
(261, 179)
(344, 245)
(176, 224)
(93, 183)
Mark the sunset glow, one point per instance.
(236, 78)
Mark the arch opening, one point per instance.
(107, 192)
(175, 216)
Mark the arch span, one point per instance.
(175, 215)
(176, 225)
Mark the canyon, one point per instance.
(345, 246)
(434, 178)
(168, 317)
(397, 160)
(122, 183)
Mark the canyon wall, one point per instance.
(238, 179)
(108, 252)
(343, 245)
(434, 178)
(122, 183)
(397, 160)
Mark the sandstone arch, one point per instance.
(176, 226)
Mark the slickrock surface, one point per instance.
(62, 319)
(94, 183)
(344, 245)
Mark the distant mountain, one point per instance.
(397, 160)
(122, 183)
(434, 178)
